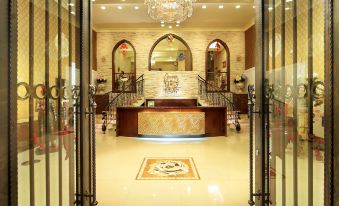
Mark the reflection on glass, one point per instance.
(171, 54)
(46, 122)
(295, 70)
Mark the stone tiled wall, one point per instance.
(154, 80)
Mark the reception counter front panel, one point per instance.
(137, 121)
(171, 123)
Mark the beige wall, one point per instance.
(197, 41)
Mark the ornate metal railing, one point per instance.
(123, 98)
(219, 98)
(217, 81)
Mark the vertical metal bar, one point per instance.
(331, 14)
(78, 59)
(283, 92)
(31, 103)
(12, 110)
(268, 107)
(251, 128)
(295, 103)
(265, 47)
(47, 108)
(70, 138)
(59, 101)
(310, 102)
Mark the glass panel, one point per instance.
(46, 127)
(295, 91)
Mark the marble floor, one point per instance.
(222, 163)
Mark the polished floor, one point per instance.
(222, 163)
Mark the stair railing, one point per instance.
(126, 97)
(219, 98)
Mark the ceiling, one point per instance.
(212, 18)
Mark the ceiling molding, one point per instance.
(250, 24)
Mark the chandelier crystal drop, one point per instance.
(170, 11)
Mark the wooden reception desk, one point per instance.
(138, 121)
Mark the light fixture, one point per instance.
(170, 27)
(204, 6)
(93, 0)
(136, 7)
(177, 25)
(237, 6)
(287, 8)
(253, 7)
(170, 11)
(270, 8)
(103, 7)
(162, 25)
(120, 7)
(70, 4)
(221, 6)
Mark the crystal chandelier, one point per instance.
(170, 11)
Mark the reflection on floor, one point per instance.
(222, 163)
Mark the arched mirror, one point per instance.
(124, 66)
(218, 66)
(170, 53)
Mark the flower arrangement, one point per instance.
(101, 80)
(240, 79)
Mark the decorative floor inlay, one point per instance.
(159, 168)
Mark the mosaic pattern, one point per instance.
(168, 169)
(171, 123)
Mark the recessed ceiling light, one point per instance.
(72, 12)
(177, 25)
(119, 7)
(162, 22)
(287, 8)
(93, 0)
(204, 6)
(288, 0)
(221, 6)
(178, 22)
(136, 7)
(237, 6)
(170, 27)
(253, 7)
(103, 7)
(70, 4)
(162, 25)
(123, 0)
(270, 8)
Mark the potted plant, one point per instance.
(239, 81)
(101, 84)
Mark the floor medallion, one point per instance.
(168, 169)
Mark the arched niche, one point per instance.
(218, 66)
(170, 53)
(123, 67)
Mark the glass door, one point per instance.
(54, 141)
(289, 146)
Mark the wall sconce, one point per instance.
(238, 58)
